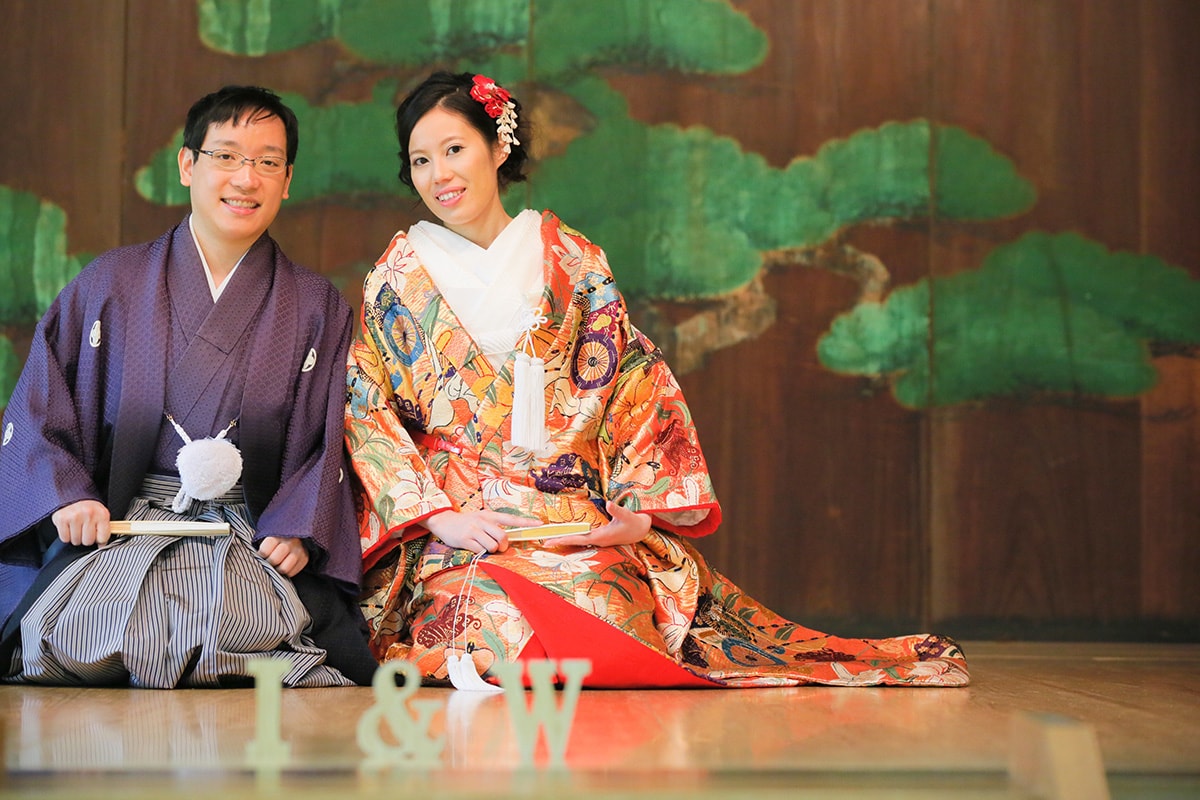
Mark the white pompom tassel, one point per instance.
(208, 468)
(529, 403)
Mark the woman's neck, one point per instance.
(484, 232)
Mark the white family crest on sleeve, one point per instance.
(310, 361)
(94, 335)
(8, 434)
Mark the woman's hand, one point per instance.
(84, 522)
(625, 527)
(287, 556)
(477, 531)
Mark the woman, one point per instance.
(498, 384)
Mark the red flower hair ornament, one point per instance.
(498, 104)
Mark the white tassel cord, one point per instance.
(528, 423)
(529, 405)
(464, 674)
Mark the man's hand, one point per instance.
(477, 531)
(287, 556)
(82, 522)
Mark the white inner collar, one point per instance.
(213, 288)
(490, 290)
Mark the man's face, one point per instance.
(234, 208)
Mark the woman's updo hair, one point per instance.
(453, 93)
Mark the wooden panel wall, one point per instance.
(1050, 492)
(822, 481)
(1073, 517)
(1169, 199)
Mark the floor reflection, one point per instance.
(137, 729)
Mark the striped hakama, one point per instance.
(157, 611)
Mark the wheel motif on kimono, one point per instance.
(595, 360)
(405, 341)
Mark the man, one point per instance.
(208, 333)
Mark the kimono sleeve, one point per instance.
(651, 457)
(398, 488)
(313, 500)
(44, 459)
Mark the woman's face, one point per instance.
(454, 172)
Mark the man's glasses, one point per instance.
(231, 161)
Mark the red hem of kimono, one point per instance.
(702, 528)
(380, 549)
(618, 660)
(411, 529)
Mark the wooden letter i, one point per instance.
(267, 748)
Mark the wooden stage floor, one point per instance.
(1141, 701)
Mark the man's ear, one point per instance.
(187, 159)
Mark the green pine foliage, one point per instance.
(10, 369)
(397, 32)
(569, 36)
(572, 37)
(34, 264)
(1048, 313)
(685, 214)
(974, 182)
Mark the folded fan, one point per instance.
(548, 531)
(152, 527)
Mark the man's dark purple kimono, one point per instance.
(137, 335)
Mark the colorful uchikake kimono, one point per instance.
(137, 335)
(428, 428)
